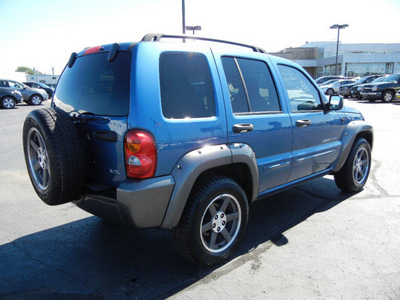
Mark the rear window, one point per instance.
(96, 86)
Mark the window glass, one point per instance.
(302, 94)
(186, 86)
(260, 87)
(250, 86)
(235, 86)
(96, 86)
(15, 85)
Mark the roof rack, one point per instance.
(156, 37)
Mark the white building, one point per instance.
(353, 59)
(50, 80)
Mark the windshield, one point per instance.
(393, 77)
(362, 79)
(44, 85)
(96, 86)
(379, 79)
(330, 81)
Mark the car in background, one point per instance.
(30, 95)
(357, 89)
(333, 88)
(324, 79)
(9, 97)
(345, 90)
(384, 90)
(41, 85)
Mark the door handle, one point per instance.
(240, 128)
(303, 123)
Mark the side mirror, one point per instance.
(335, 102)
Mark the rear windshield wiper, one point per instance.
(82, 117)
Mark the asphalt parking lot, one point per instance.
(310, 242)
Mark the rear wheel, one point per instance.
(354, 173)
(36, 99)
(8, 102)
(53, 156)
(213, 222)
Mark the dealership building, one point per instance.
(319, 58)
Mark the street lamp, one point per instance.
(343, 26)
(194, 28)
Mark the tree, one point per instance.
(27, 71)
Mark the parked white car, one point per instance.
(333, 87)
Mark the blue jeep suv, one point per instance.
(186, 134)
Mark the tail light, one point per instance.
(140, 154)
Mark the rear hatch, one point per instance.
(95, 91)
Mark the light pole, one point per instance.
(183, 17)
(194, 28)
(343, 26)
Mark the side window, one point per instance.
(15, 85)
(302, 94)
(186, 86)
(250, 86)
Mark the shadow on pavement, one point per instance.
(93, 259)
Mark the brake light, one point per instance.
(92, 50)
(140, 154)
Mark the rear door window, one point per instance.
(94, 85)
(250, 85)
(186, 86)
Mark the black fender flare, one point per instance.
(194, 163)
(352, 131)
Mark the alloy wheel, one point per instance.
(220, 223)
(38, 159)
(361, 166)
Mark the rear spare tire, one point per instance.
(53, 155)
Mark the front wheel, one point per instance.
(330, 92)
(354, 173)
(213, 222)
(387, 96)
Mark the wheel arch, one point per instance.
(9, 96)
(236, 161)
(354, 131)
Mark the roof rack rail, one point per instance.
(155, 37)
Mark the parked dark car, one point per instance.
(356, 90)
(9, 97)
(345, 90)
(30, 95)
(384, 90)
(41, 85)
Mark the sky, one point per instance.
(42, 34)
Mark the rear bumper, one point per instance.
(139, 203)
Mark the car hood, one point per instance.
(349, 84)
(36, 90)
(350, 110)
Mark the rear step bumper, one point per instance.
(139, 203)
